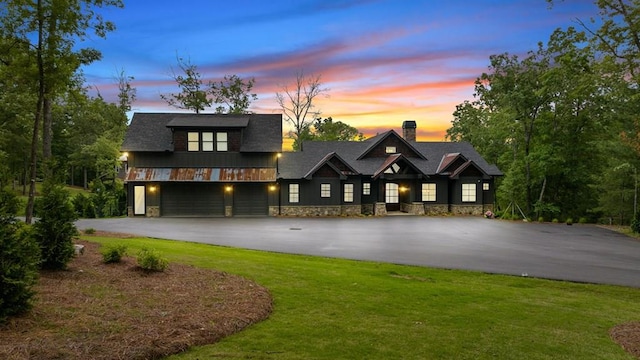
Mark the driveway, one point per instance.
(583, 253)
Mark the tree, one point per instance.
(297, 103)
(328, 130)
(126, 93)
(55, 229)
(51, 30)
(19, 256)
(233, 94)
(194, 93)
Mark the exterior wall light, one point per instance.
(272, 188)
(228, 188)
(152, 189)
(403, 188)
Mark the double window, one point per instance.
(204, 141)
(468, 192)
(429, 192)
(366, 188)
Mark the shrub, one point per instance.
(635, 223)
(113, 253)
(569, 221)
(90, 231)
(555, 221)
(55, 229)
(151, 260)
(541, 219)
(583, 220)
(19, 257)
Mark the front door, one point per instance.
(391, 197)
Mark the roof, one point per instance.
(151, 132)
(297, 165)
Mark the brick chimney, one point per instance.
(409, 130)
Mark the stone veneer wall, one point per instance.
(367, 209)
(153, 211)
(351, 210)
(470, 209)
(416, 208)
(380, 209)
(436, 209)
(333, 210)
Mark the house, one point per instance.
(232, 165)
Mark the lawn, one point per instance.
(342, 309)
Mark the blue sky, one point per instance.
(383, 61)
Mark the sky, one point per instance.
(381, 61)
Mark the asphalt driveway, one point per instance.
(583, 253)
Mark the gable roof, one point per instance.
(326, 160)
(151, 132)
(297, 165)
(447, 160)
(394, 159)
(462, 168)
(377, 140)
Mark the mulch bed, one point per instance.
(117, 311)
(627, 336)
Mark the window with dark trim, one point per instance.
(468, 192)
(325, 190)
(207, 141)
(294, 193)
(429, 192)
(348, 192)
(222, 141)
(366, 188)
(193, 141)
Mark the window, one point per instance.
(221, 141)
(391, 193)
(366, 189)
(429, 192)
(390, 149)
(485, 186)
(193, 141)
(207, 141)
(468, 192)
(348, 192)
(325, 190)
(294, 193)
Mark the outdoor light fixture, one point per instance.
(403, 189)
(229, 188)
(152, 188)
(272, 188)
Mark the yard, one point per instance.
(317, 308)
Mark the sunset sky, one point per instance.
(383, 61)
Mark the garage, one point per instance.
(250, 200)
(192, 199)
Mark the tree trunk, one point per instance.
(47, 133)
(36, 121)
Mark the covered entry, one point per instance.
(192, 199)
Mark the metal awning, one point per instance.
(202, 174)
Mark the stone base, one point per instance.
(351, 210)
(468, 209)
(416, 208)
(436, 209)
(153, 211)
(380, 209)
(366, 209)
(228, 211)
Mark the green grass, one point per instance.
(341, 309)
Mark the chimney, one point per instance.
(409, 130)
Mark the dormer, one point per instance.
(208, 133)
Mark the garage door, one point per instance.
(250, 199)
(192, 199)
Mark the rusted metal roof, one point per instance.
(202, 174)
